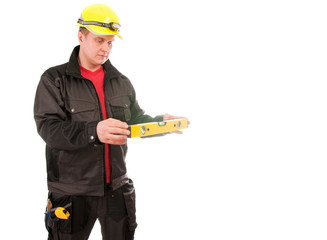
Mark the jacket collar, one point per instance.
(74, 69)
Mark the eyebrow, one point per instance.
(111, 40)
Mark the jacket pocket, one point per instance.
(82, 110)
(129, 196)
(120, 108)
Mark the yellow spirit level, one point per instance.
(153, 128)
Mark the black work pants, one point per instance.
(115, 211)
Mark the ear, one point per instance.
(80, 37)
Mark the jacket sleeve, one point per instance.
(52, 121)
(137, 114)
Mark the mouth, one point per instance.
(105, 55)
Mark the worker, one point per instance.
(82, 111)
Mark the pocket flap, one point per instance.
(121, 101)
(77, 106)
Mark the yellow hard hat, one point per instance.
(100, 19)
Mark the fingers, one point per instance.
(178, 132)
(172, 117)
(118, 131)
(111, 122)
(115, 139)
(112, 131)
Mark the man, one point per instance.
(82, 111)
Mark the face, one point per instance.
(94, 49)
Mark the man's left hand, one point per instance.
(171, 117)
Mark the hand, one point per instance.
(171, 117)
(112, 131)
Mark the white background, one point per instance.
(250, 76)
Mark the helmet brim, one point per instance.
(97, 30)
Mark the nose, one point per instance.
(105, 48)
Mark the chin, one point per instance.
(98, 62)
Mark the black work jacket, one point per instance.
(67, 111)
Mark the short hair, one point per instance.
(83, 30)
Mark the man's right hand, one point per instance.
(112, 131)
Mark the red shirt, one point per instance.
(97, 78)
